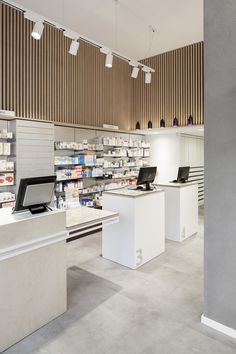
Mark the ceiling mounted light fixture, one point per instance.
(109, 60)
(37, 30)
(74, 47)
(109, 56)
(148, 75)
(148, 78)
(135, 70)
(40, 21)
(38, 24)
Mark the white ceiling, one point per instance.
(178, 22)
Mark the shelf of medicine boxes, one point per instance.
(62, 193)
(100, 151)
(97, 177)
(4, 172)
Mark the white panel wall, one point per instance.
(34, 149)
(169, 152)
(165, 154)
(191, 151)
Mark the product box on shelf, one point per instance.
(146, 153)
(8, 205)
(5, 149)
(72, 198)
(6, 165)
(69, 173)
(97, 172)
(4, 134)
(6, 197)
(6, 179)
(87, 202)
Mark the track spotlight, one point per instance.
(135, 69)
(38, 24)
(74, 47)
(148, 77)
(135, 72)
(37, 30)
(109, 56)
(109, 60)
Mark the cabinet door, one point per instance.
(188, 211)
(149, 227)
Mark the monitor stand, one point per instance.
(182, 180)
(37, 209)
(148, 187)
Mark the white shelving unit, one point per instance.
(115, 158)
(7, 166)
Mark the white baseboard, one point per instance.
(219, 327)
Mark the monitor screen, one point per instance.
(146, 175)
(35, 191)
(183, 173)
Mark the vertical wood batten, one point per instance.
(41, 80)
(176, 88)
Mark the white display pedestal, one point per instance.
(32, 272)
(181, 210)
(140, 234)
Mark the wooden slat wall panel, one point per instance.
(39, 79)
(176, 88)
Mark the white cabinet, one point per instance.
(140, 234)
(181, 210)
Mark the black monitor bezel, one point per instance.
(142, 170)
(183, 168)
(24, 182)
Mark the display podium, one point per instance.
(140, 234)
(181, 210)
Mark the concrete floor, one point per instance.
(111, 309)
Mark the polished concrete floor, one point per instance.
(111, 309)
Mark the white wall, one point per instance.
(191, 150)
(165, 154)
(169, 152)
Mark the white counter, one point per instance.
(181, 210)
(83, 219)
(140, 234)
(176, 184)
(132, 193)
(32, 272)
(33, 287)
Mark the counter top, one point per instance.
(84, 216)
(6, 216)
(175, 185)
(131, 193)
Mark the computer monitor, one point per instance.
(183, 174)
(35, 194)
(146, 176)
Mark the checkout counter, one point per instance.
(33, 266)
